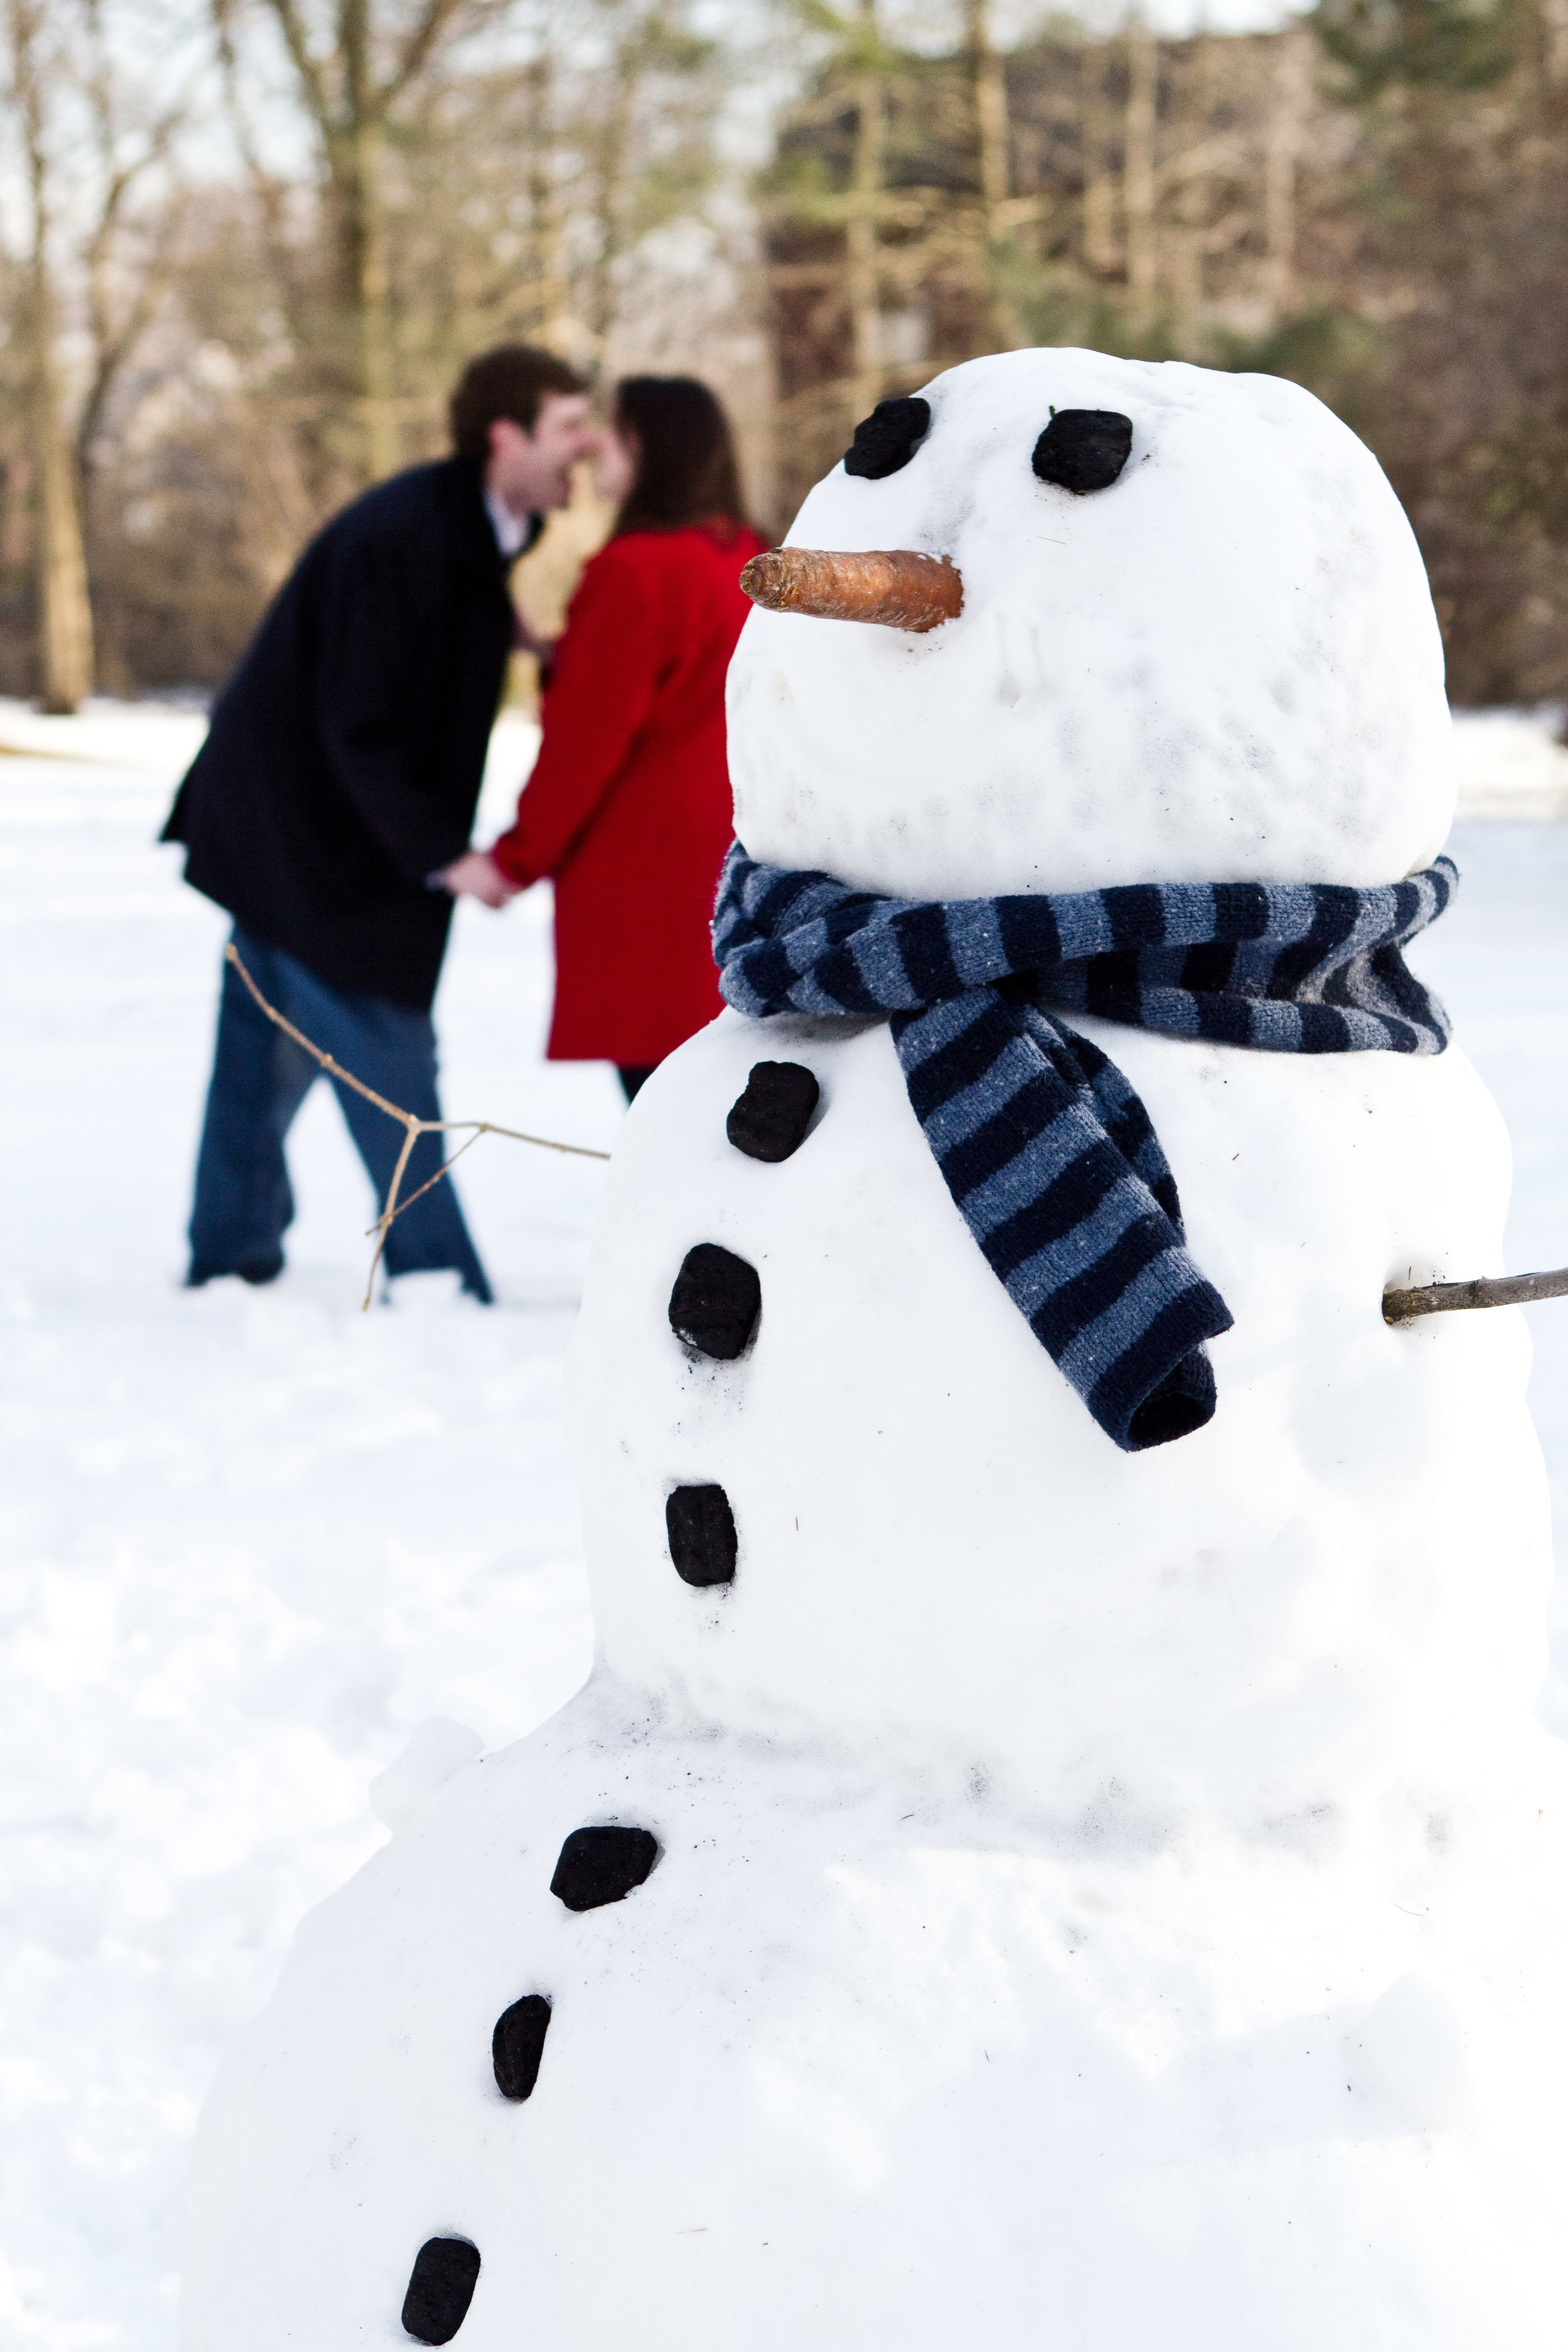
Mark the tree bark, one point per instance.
(1281, 159)
(65, 609)
(1099, 248)
(364, 241)
(1137, 173)
(862, 274)
(65, 614)
(547, 291)
(367, 297)
(1454, 1297)
(988, 90)
(613, 149)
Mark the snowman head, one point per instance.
(1171, 626)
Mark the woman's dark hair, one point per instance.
(686, 463)
(511, 381)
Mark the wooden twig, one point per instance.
(1496, 1290)
(413, 1128)
(1398, 1306)
(431, 1181)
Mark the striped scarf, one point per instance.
(1046, 1149)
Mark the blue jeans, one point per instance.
(244, 1203)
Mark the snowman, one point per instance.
(1053, 1851)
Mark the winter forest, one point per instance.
(244, 253)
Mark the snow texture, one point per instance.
(1114, 1899)
(249, 1539)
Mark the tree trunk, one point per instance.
(362, 229)
(548, 309)
(1185, 204)
(988, 88)
(372, 310)
(862, 275)
(1286, 116)
(1099, 251)
(65, 614)
(613, 149)
(1137, 173)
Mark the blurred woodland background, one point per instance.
(246, 246)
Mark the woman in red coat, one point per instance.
(629, 804)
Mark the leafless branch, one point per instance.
(312, 80)
(1452, 1297)
(413, 1128)
(433, 21)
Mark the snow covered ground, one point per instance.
(251, 1539)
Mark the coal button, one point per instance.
(602, 1865)
(517, 2046)
(716, 1301)
(440, 2289)
(702, 1528)
(770, 1119)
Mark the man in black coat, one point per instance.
(337, 783)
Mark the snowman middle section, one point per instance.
(1277, 1614)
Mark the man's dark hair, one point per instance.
(686, 469)
(511, 381)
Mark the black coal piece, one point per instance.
(602, 1866)
(702, 1528)
(887, 439)
(1083, 449)
(716, 1301)
(440, 2289)
(770, 1119)
(517, 2046)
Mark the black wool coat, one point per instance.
(343, 760)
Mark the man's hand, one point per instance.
(476, 874)
(530, 640)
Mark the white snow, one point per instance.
(1511, 763)
(253, 1539)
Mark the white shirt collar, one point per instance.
(510, 532)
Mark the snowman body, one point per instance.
(1102, 1899)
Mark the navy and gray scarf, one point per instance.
(1045, 1147)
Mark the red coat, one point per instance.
(629, 804)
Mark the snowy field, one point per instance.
(251, 1539)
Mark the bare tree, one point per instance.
(65, 614)
(125, 263)
(354, 64)
(638, 128)
(122, 295)
(862, 278)
(1137, 172)
(988, 90)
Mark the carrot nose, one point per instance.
(897, 588)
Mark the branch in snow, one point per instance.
(415, 1128)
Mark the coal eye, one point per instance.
(1082, 448)
(888, 439)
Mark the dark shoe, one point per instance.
(255, 1271)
